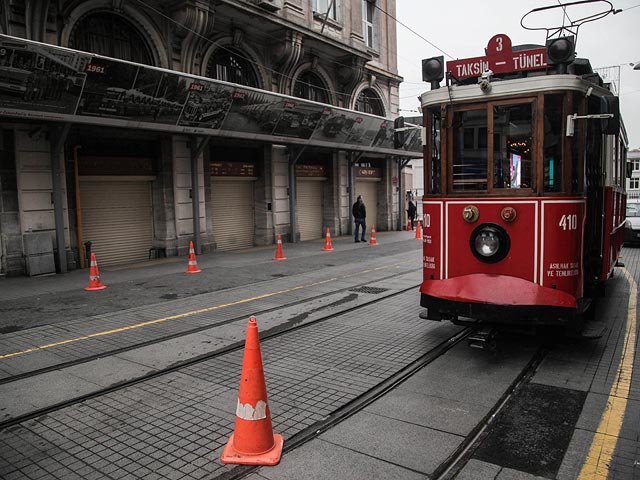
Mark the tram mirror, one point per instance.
(433, 71)
(610, 105)
(629, 166)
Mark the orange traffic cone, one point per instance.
(94, 276)
(418, 231)
(279, 252)
(253, 441)
(193, 265)
(373, 240)
(409, 225)
(327, 241)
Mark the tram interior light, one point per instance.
(433, 71)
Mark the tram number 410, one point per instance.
(569, 222)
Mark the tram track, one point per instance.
(190, 331)
(359, 403)
(446, 470)
(452, 466)
(235, 346)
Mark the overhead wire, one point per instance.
(410, 29)
(244, 57)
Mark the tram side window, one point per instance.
(436, 160)
(469, 155)
(552, 149)
(512, 146)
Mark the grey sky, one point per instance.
(462, 28)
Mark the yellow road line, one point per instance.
(183, 315)
(164, 319)
(603, 445)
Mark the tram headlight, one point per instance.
(490, 243)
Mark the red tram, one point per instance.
(525, 168)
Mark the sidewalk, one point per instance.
(171, 427)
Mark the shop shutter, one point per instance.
(309, 204)
(232, 214)
(117, 218)
(369, 192)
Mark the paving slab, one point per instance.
(458, 417)
(413, 446)
(18, 398)
(455, 375)
(323, 460)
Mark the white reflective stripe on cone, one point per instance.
(246, 412)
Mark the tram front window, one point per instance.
(512, 146)
(470, 150)
(552, 148)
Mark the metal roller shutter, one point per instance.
(117, 218)
(369, 192)
(309, 203)
(232, 214)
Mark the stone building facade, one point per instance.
(135, 192)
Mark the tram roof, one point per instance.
(88, 77)
(511, 88)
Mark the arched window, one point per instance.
(311, 87)
(111, 35)
(230, 66)
(369, 102)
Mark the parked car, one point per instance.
(632, 225)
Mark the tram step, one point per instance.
(484, 339)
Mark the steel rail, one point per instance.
(452, 466)
(171, 336)
(359, 403)
(268, 334)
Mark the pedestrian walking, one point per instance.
(359, 212)
(412, 212)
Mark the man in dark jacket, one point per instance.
(359, 214)
(412, 211)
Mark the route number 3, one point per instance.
(569, 222)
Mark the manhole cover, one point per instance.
(372, 290)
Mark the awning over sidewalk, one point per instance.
(54, 84)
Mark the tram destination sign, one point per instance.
(499, 58)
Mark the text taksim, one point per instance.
(470, 69)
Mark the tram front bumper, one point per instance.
(496, 299)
